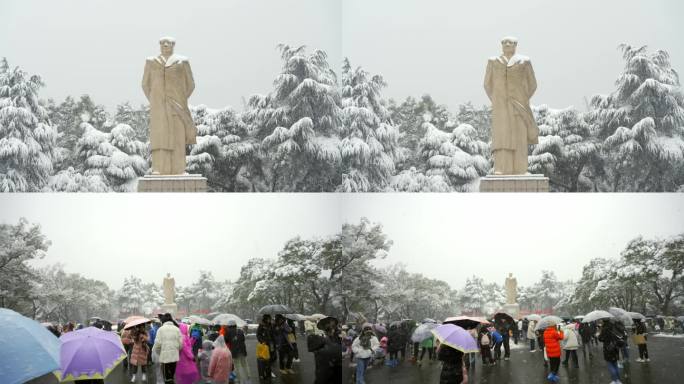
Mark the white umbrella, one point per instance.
(316, 317)
(580, 317)
(223, 318)
(637, 316)
(194, 319)
(596, 315)
(533, 317)
(548, 321)
(295, 317)
(621, 315)
(423, 331)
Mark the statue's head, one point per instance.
(508, 45)
(168, 274)
(510, 274)
(166, 45)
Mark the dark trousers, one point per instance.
(586, 346)
(264, 369)
(430, 352)
(531, 344)
(285, 355)
(643, 351)
(555, 364)
(393, 355)
(507, 345)
(295, 351)
(169, 371)
(568, 354)
(486, 354)
(415, 350)
(497, 350)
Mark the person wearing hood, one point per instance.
(570, 344)
(264, 336)
(196, 334)
(221, 363)
(327, 350)
(167, 345)
(395, 344)
(586, 332)
(552, 337)
(363, 347)
(484, 339)
(186, 369)
(204, 358)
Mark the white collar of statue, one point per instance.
(515, 59)
(173, 59)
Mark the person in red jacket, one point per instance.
(552, 338)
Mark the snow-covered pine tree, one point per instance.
(369, 143)
(27, 140)
(116, 157)
(408, 117)
(459, 157)
(411, 180)
(138, 119)
(568, 153)
(226, 153)
(298, 124)
(641, 124)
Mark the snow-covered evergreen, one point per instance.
(27, 140)
(298, 124)
(369, 144)
(641, 124)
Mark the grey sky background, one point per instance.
(444, 236)
(428, 46)
(99, 47)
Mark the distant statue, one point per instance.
(510, 83)
(169, 289)
(511, 289)
(168, 83)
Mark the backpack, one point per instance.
(484, 340)
(196, 334)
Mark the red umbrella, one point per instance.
(136, 322)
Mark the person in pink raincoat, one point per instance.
(221, 363)
(186, 369)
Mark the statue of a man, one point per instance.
(511, 289)
(169, 289)
(168, 83)
(510, 83)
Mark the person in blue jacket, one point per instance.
(498, 341)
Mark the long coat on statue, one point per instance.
(168, 84)
(510, 84)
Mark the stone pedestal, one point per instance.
(170, 308)
(514, 183)
(513, 310)
(172, 183)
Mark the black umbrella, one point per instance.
(275, 309)
(503, 317)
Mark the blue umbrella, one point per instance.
(28, 349)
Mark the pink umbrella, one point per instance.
(131, 318)
(136, 322)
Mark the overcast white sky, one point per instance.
(445, 236)
(420, 46)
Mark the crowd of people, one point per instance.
(560, 343)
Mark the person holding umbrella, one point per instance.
(363, 347)
(552, 336)
(611, 349)
(570, 344)
(454, 341)
(285, 350)
(265, 336)
(139, 352)
(531, 335)
(167, 344)
(327, 350)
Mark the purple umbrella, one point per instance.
(379, 328)
(89, 353)
(455, 337)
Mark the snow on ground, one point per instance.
(679, 336)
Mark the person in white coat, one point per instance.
(167, 344)
(531, 335)
(570, 344)
(363, 347)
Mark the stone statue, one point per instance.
(168, 83)
(511, 289)
(169, 289)
(510, 83)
